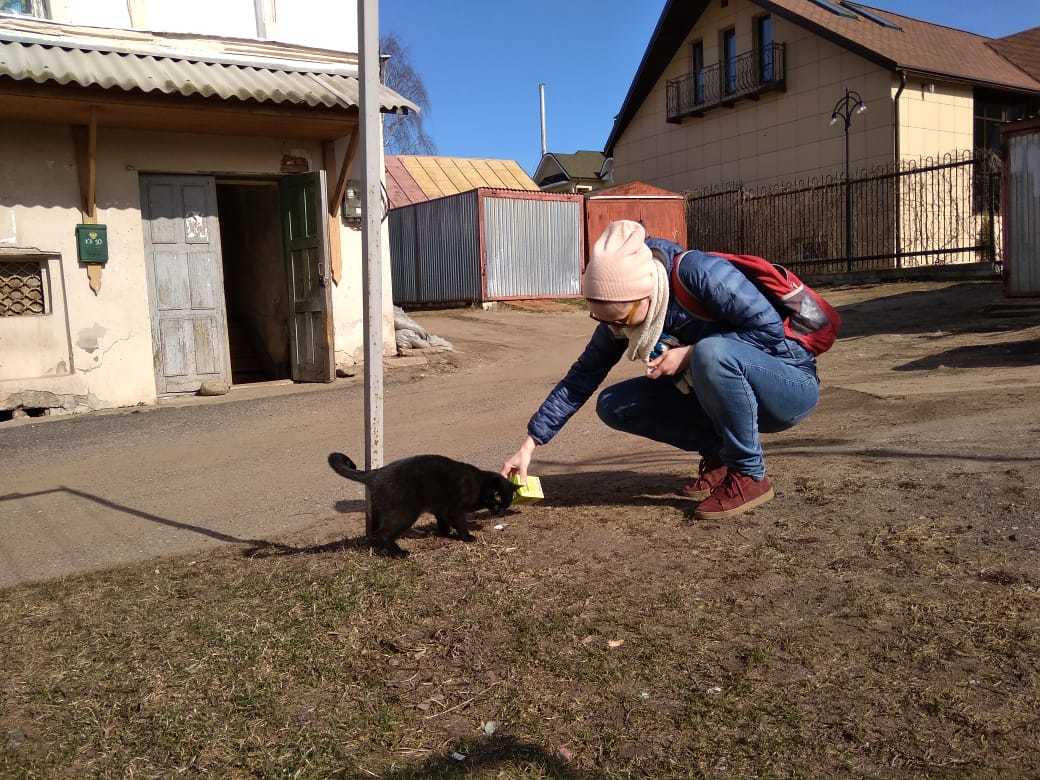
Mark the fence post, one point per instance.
(898, 189)
(848, 206)
(991, 175)
(742, 200)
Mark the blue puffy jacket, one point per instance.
(738, 307)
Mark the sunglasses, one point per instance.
(624, 321)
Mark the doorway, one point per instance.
(238, 279)
(256, 286)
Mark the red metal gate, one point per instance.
(661, 212)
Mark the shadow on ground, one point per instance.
(128, 510)
(1002, 355)
(850, 448)
(971, 307)
(616, 488)
(588, 488)
(488, 755)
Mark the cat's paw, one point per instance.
(467, 537)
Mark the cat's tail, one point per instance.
(345, 467)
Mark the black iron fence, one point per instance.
(746, 75)
(922, 213)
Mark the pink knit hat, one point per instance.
(621, 267)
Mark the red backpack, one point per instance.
(808, 318)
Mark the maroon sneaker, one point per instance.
(709, 474)
(736, 494)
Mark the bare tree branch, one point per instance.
(405, 133)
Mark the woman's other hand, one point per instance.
(672, 362)
(519, 461)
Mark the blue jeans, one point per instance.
(738, 391)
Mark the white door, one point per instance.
(186, 282)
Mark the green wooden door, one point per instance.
(304, 225)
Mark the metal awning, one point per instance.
(251, 77)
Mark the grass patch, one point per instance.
(788, 644)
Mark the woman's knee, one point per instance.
(710, 354)
(608, 407)
(622, 405)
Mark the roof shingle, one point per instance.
(1023, 49)
(917, 46)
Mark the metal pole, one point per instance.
(848, 189)
(371, 244)
(541, 101)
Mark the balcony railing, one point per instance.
(748, 75)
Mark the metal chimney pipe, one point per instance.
(541, 100)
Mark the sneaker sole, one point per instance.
(696, 495)
(752, 504)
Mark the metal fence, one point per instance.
(917, 213)
(486, 244)
(532, 248)
(1022, 195)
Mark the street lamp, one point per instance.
(845, 109)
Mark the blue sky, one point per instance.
(482, 62)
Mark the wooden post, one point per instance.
(348, 160)
(371, 239)
(85, 143)
(328, 149)
(328, 153)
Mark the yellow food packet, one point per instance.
(529, 493)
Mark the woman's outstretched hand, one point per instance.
(520, 460)
(672, 362)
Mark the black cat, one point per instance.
(401, 491)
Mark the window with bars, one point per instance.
(23, 289)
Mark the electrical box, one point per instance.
(352, 203)
(92, 243)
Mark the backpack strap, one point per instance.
(690, 302)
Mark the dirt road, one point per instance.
(879, 619)
(924, 374)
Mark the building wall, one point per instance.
(347, 296)
(782, 136)
(938, 211)
(95, 351)
(934, 119)
(329, 24)
(96, 13)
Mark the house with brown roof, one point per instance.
(743, 91)
(414, 179)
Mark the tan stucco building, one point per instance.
(216, 167)
(742, 91)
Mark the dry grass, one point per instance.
(833, 637)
